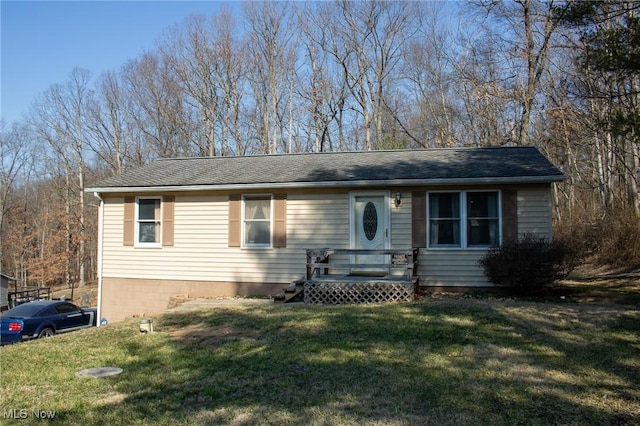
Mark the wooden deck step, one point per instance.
(291, 289)
(293, 293)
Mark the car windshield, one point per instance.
(24, 310)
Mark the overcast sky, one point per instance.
(42, 41)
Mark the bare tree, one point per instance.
(607, 87)
(59, 118)
(231, 60)
(431, 77)
(157, 106)
(486, 117)
(15, 164)
(189, 52)
(523, 31)
(271, 47)
(322, 85)
(366, 40)
(109, 131)
(539, 26)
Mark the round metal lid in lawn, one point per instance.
(99, 372)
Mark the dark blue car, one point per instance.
(43, 319)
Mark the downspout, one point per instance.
(99, 255)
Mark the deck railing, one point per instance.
(400, 264)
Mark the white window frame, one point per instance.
(464, 217)
(243, 222)
(158, 220)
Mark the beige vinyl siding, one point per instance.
(318, 220)
(534, 211)
(201, 253)
(321, 221)
(113, 227)
(314, 220)
(459, 268)
(401, 222)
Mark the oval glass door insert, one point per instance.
(370, 221)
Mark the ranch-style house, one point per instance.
(225, 226)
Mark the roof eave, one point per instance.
(329, 184)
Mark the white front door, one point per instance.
(370, 228)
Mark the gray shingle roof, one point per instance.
(359, 169)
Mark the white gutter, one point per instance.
(331, 184)
(99, 265)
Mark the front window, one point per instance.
(444, 219)
(257, 221)
(148, 221)
(466, 219)
(482, 219)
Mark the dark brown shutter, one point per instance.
(418, 219)
(280, 220)
(129, 221)
(168, 205)
(509, 215)
(234, 220)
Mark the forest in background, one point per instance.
(288, 77)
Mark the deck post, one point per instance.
(314, 257)
(325, 259)
(309, 267)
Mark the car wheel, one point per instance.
(46, 332)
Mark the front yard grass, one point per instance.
(434, 361)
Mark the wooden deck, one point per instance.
(340, 276)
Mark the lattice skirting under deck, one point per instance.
(339, 292)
